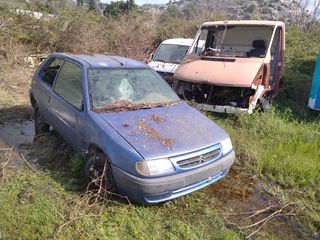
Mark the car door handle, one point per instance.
(49, 98)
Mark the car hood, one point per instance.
(163, 67)
(166, 131)
(232, 72)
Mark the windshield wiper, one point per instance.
(125, 105)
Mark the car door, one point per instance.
(43, 82)
(66, 105)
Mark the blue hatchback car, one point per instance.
(130, 125)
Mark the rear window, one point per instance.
(50, 71)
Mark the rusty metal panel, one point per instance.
(240, 73)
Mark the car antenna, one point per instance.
(121, 63)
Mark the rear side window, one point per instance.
(50, 72)
(69, 84)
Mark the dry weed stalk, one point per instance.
(4, 164)
(93, 202)
(26, 162)
(273, 211)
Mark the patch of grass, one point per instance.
(39, 208)
(30, 206)
(13, 3)
(76, 163)
(6, 100)
(281, 149)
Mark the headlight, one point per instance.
(154, 167)
(226, 146)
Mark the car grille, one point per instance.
(201, 159)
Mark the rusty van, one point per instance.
(237, 69)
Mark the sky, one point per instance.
(141, 2)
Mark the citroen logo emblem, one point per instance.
(202, 159)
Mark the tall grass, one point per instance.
(278, 147)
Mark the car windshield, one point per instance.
(235, 41)
(171, 53)
(134, 88)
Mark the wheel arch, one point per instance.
(94, 148)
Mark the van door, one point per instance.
(276, 64)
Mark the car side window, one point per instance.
(69, 84)
(49, 72)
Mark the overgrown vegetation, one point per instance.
(281, 147)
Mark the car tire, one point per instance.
(96, 163)
(39, 125)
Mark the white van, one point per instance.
(169, 55)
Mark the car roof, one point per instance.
(179, 41)
(244, 23)
(102, 60)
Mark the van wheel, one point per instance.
(39, 125)
(94, 168)
(264, 104)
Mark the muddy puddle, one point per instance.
(249, 206)
(17, 133)
(19, 144)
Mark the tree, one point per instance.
(93, 5)
(49, 6)
(190, 11)
(120, 7)
(80, 3)
(171, 13)
(307, 13)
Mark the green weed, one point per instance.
(5, 100)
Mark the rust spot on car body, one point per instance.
(145, 129)
(157, 118)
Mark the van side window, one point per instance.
(69, 84)
(50, 71)
(198, 47)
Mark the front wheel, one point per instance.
(98, 166)
(39, 125)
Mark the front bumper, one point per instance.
(219, 109)
(160, 189)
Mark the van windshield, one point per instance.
(171, 53)
(236, 41)
(134, 87)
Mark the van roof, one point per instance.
(245, 23)
(179, 41)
